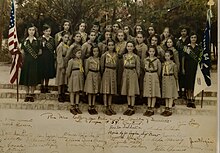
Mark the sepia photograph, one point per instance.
(109, 76)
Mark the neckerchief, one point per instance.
(166, 68)
(151, 64)
(128, 59)
(112, 58)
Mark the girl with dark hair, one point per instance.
(61, 65)
(86, 47)
(115, 28)
(193, 53)
(109, 64)
(151, 83)
(150, 31)
(106, 35)
(30, 49)
(66, 26)
(155, 41)
(93, 78)
(181, 43)
(131, 72)
(47, 58)
(75, 76)
(170, 46)
(169, 82)
(81, 29)
(164, 36)
(128, 32)
(77, 44)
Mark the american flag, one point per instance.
(14, 45)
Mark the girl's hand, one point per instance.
(40, 52)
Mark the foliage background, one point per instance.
(160, 13)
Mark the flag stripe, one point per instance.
(13, 45)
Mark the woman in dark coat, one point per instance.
(30, 49)
(193, 54)
(47, 59)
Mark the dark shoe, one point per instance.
(126, 112)
(163, 113)
(168, 113)
(193, 105)
(113, 112)
(95, 111)
(173, 104)
(131, 112)
(27, 98)
(78, 110)
(108, 112)
(61, 98)
(73, 111)
(31, 97)
(90, 111)
(150, 113)
(146, 113)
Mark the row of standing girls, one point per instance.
(124, 66)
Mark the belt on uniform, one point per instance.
(113, 68)
(168, 74)
(130, 68)
(75, 69)
(153, 71)
(93, 70)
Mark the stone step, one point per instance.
(12, 88)
(21, 87)
(10, 93)
(119, 108)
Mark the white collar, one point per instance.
(28, 38)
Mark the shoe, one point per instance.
(113, 112)
(164, 113)
(78, 110)
(150, 113)
(193, 105)
(61, 98)
(126, 112)
(27, 98)
(108, 112)
(31, 98)
(131, 112)
(146, 113)
(95, 111)
(90, 111)
(173, 104)
(73, 111)
(168, 113)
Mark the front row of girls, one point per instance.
(107, 67)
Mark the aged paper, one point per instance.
(47, 131)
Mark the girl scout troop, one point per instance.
(110, 64)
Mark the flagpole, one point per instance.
(17, 89)
(202, 98)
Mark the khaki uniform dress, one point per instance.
(142, 53)
(93, 78)
(151, 78)
(109, 68)
(169, 80)
(130, 86)
(61, 74)
(161, 54)
(120, 49)
(75, 74)
(71, 51)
